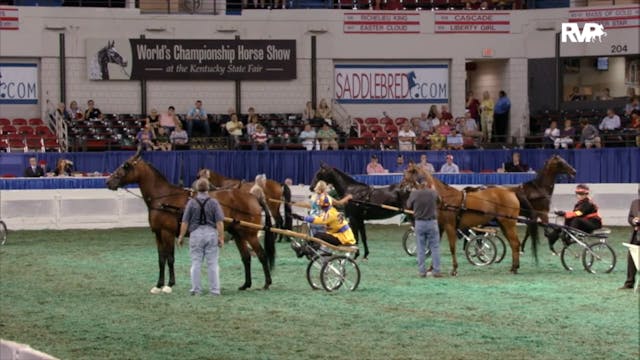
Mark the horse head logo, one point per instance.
(597, 31)
(99, 69)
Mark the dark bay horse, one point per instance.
(272, 190)
(473, 207)
(166, 203)
(539, 190)
(362, 205)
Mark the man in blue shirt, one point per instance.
(198, 115)
(501, 116)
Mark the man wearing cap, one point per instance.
(584, 216)
(338, 231)
(450, 167)
(634, 221)
(33, 170)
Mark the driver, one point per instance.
(584, 217)
(337, 230)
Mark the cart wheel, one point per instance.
(501, 247)
(599, 258)
(3, 232)
(313, 271)
(409, 243)
(481, 250)
(571, 256)
(340, 272)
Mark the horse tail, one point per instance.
(528, 211)
(269, 237)
(288, 219)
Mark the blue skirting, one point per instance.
(454, 179)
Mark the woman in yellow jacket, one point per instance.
(338, 231)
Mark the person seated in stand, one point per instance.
(64, 167)
(75, 111)
(179, 136)
(324, 111)
(551, 134)
(635, 125)
(308, 138)
(154, 119)
(260, 139)
(42, 164)
(455, 141)
(309, 113)
(566, 135)
(92, 113)
(234, 128)
(584, 216)
(589, 135)
(610, 123)
(145, 138)
(374, 167)
(575, 95)
(425, 164)
(406, 138)
(337, 232)
(327, 137)
(33, 170)
(605, 95)
(161, 140)
(445, 114)
(169, 120)
(400, 167)
(515, 165)
(449, 167)
(634, 104)
(198, 116)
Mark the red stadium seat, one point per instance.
(25, 130)
(371, 121)
(389, 128)
(43, 131)
(357, 143)
(358, 120)
(9, 129)
(400, 121)
(16, 144)
(386, 121)
(51, 144)
(19, 122)
(5, 122)
(96, 145)
(376, 129)
(36, 122)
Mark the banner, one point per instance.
(162, 59)
(9, 19)
(473, 22)
(18, 83)
(381, 23)
(611, 18)
(391, 83)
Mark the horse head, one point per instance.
(557, 165)
(128, 173)
(413, 176)
(109, 54)
(325, 173)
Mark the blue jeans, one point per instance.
(427, 234)
(203, 244)
(204, 123)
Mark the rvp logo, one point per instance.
(590, 32)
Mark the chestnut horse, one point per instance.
(166, 203)
(473, 207)
(272, 190)
(539, 190)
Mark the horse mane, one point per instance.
(348, 177)
(159, 175)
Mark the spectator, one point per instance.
(455, 141)
(64, 167)
(400, 164)
(515, 165)
(473, 105)
(605, 95)
(169, 121)
(566, 135)
(470, 128)
(324, 111)
(178, 137)
(252, 124)
(204, 219)
(406, 138)
(424, 203)
(634, 104)
(154, 119)
(198, 116)
(611, 122)
(328, 137)
(260, 139)
(162, 139)
(445, 114)
(437, 140)
(92, 113)
(486, 116)
(551, 134)
(75, 111)
(425, 164)
(374, 167)
(309, 113)
(60, 112)
(501, 116)
(634, 221)
(434, 115)
(575, 95)
(308, 138)
(33, 170)
(635, 125)
(589, 136)
(146, 137)
(45, 169)
(449, 166)
(234, 128)
(424, 123)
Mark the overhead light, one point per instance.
(156, 29)
(317, 30)
(229, 29)
(55, 27)
(545, 26)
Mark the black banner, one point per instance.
(161, 59)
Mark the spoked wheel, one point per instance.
(314, 270)
(340, 272)
(571, 256)
(409, 243)
(481, 250)
(501, 248)
(599, 258)
(3, 232)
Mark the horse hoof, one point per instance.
(514, 272)
(155, 290)
(454, 273)
(266, 287)
(244, 287)
(166, 290)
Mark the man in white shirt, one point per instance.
(450, 167)
(610, 122)
(406, 138)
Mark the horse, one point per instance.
(273, 190)
(166, 202)
(365, 198)
(477, 206)
(99, 69)
(539, 190)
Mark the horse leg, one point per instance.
(255, 245)
(161, 262)
(245, 255)
(171, 250)
(453, 239)
(509, 230)
(363, 232)
(353, 222)
(524, 241)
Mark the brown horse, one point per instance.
(166, 203)
(272, 190)
(473, 207)
(539, 190)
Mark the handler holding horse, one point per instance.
(203, 217)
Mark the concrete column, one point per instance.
(458, 76)
(517, 91)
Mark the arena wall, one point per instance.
(532, 36)
(103, 209)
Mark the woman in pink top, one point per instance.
(374, 166)
(169, 119)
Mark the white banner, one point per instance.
(472, 22)
(18, 83)
(391, 83)
(381, 23)
(610, 18)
